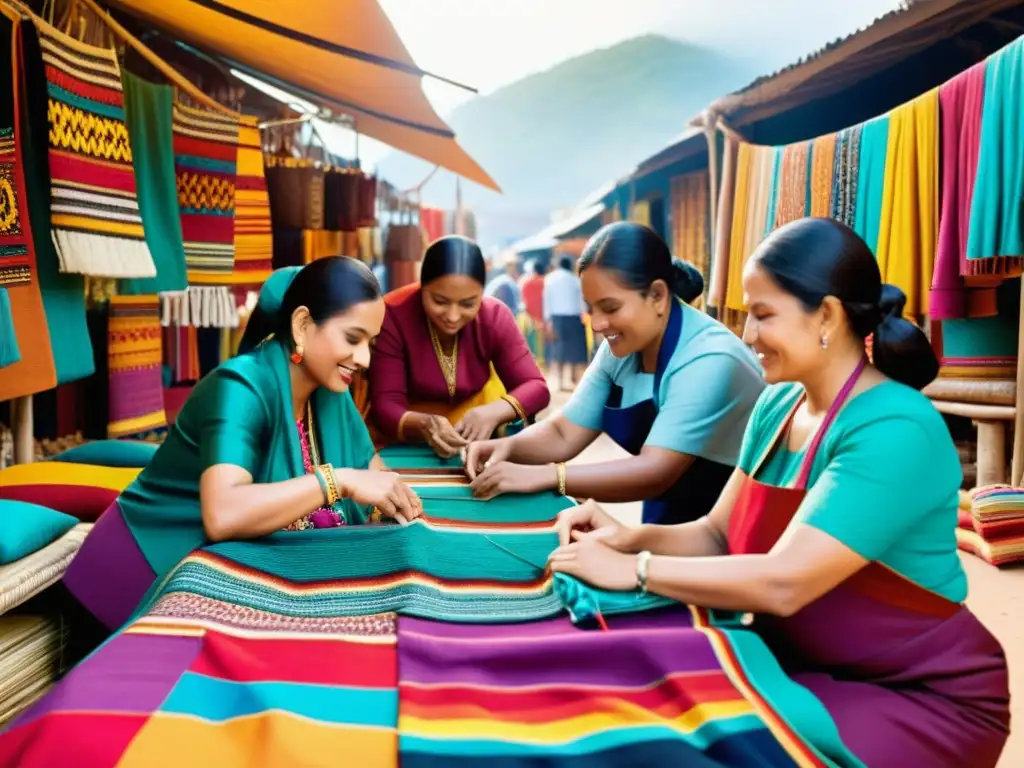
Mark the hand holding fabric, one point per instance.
(591, 560)
(482, 453)
(441, 436)
(590, 518)
(383, 490)
(506, 477)
(479, 423)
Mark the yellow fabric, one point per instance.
(320, 243)
(68, 473)
(388, 104)
(738, 239)
(909, 230)
(822, 169)
(641, 213)
(492, 390)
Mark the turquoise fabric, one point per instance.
(885, 481)
(706, 395)
(980, 337)
(585, 603)
(874, 145)
(26, 528)
(110, 453)
(995, 224)
(416, 457)
(773, 198)
(148, 114)
(10, 353)
(456, 503)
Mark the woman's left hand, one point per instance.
(506, 477)
(479, 423)
(591, 560)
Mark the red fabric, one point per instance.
(84, 502)
(404, 367)
(432, 223)
(64, 166)
(533, 297)
(105, 735)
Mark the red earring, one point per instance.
(297, 355)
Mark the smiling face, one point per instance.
(629, 320)
(339, 347)
(786, 337)
(452, 302)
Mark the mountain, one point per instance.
(551, 138)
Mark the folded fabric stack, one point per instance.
(31, 660)
(992, 524)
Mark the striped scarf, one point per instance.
(97, 227)
(254, 247)
(134, 355)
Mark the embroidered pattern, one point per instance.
(15, 260)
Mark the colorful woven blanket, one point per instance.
(96, 223)
(206, 165)
(254, 247)
(134, 354)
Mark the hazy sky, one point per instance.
(490, 43)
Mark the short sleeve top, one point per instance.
(706, 395)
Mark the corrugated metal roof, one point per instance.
(903, 8)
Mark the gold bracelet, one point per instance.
(560, 468)
(516, 406)
(400, 432)
(332, 484)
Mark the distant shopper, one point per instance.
(505, 286)
(563, 315)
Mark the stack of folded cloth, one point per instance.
(991, 524)
(31, 660)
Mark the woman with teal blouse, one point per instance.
(268, 441)
(835, 534)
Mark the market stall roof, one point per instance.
(890, 39)
(566, 228)
(346, 55)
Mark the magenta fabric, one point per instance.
(404, 367)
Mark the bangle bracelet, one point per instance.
(643, 562)
(560, 470)
(340, 491)
(516, 406)
(324, 487)
(332, 484)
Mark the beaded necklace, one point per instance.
(322, 517)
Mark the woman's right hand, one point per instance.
(441, 436)
(590, 519)
(483, 453)
(383, 490)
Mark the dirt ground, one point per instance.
(996, 597)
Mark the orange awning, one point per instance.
(345, 52)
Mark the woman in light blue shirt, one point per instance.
(671, 385)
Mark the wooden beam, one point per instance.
(976, 412)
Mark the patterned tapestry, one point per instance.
(135, 356)
(97, 227)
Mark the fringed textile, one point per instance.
(254, 247)
(35, 372)
(202, 306)
(149, 108)
(909, 227)
(205, 164)
(135, 357)
(97, 226)
(793, 189)
(823, 157)
(995, 242)
(181, 353)
(874, 141)
(690, 224)
(846, 175)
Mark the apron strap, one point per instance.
(780, 432)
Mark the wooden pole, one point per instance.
(1017, 465)
(723, 230)
(22, 429)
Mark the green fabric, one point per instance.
(63, 294)
(9, 351)
(26, 528)
(110, 453)
(885, 481)
(457, 503)
(416, 457)
(584, 602)
(241, 414)
(874, 148)
(148, 111)
(980, 337)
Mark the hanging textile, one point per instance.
(134, 367)
(254, 248)
(321, 243)
(180, 354)
(296, 190)
(755, 168)
(961, 101)
(205, 164)
(341, 199)
(909, 226)
(979, 348)
(823, 158)
(793, 186)
(63, 293)
(845, 176)
(723, 227)
(149, 111)
(34, 372)
(432, 221)
(775, 176)
(689, 201)
(9, 350)
(874, 141)
(995, 242)
(97, 227)
(202, 307)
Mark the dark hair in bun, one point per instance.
(638, 257)
(814, 258)
(453, 255)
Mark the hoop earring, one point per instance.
(824, 341)
(298, 354)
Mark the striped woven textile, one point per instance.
(97, 227)
(15, 262)
(657, 689)
(254, 246)
(690, 223)
(992, 527)
(134, 354)
(206, 165)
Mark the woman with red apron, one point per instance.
(837, 537)
(671, 386)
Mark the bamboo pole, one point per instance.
(22, 429)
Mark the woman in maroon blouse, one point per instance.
(450, 365)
